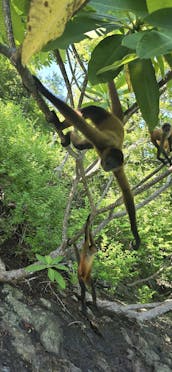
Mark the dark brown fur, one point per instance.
(106, 135)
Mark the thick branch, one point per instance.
(8, 22)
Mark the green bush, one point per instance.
(30, 183)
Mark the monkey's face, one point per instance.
(112, 159)
(166, 127)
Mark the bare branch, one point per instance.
(84, 86)
(79, 59)
(138, 206)
(82, 173)
(65, 76)
(68, 208)
(8, 22)
(108, 185)
(129, 311)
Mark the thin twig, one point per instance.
(82, 174)
(65, 76)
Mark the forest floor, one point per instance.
(42, 329)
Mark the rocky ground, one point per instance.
(43, 330)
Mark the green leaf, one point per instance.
(117, 64)
(51, 274)
(154, 43)
(135, 6)
(41, 258)
(168, 58)
(48, 260)
(146, 90)
(160, 18)
(153, 5)
(161, 65)
(62, 267)
(106, 52)
(56, 260)
(34, 267)
(131, 40)
(59, 279)
(76, 28)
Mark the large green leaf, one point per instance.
(135, 6)
(106, 52)
(160, 18)
(146, 90)
(153, 5)
(76, 28)
(131, 40)
(154, 43)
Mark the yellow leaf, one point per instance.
(46, 21)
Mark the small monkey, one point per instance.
(162, 140)
(85, 262)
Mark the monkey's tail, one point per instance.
(129, 204)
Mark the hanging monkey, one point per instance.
(85, 263)
(106, 137)
(162, 140)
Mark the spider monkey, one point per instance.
(85, 263)
(106, 137)
(162, 140)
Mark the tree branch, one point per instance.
(8, 22)
(65, 76)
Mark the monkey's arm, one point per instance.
(80, 144)
(129, 204)
(72, 117)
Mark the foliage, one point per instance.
(130, 32)
(53, 266)
(29, 183)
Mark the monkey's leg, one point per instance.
(166, 160)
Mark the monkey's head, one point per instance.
(112, 159)
(166, 128)
(95, 113)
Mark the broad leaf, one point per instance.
(146, 90)
(153, 5)
(160, 18)
(154, 43)
(135, 6)
(106, 52)
(131, 40)
(46, 21)
(76, 28)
